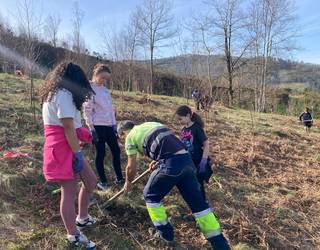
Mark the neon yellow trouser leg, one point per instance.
(157, 213)
(208, 223)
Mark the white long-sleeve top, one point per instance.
(98, 110)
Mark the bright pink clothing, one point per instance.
(98, 110)
(57, 153)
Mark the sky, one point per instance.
(115, 14)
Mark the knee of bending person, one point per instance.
(145, 194)
(150, 198)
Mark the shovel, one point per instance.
(108, 202)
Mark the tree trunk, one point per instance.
(129, 78)
(227, 40)
(151, 71)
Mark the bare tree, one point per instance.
(155, 26)
(121, 46)
(29, 27)
(7, 40)
(116, 48)
(230, 24)
(78, 43)
(51, 28)
(205, 31)
(131, 42)
(113, 43)
(272, 27)
(181, 51)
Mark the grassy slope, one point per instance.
(265, 189)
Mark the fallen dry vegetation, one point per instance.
(265, 188)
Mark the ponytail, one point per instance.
(184, 110)
(197, 119)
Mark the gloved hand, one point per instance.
(95, 137)
(202, 165)
(114, 127)
(78, 162)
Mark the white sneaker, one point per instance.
(80, 240)
(103, 185)
(82, 223)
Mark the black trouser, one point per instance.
(107, 135)
(204, 177)
(179, 171)
(201, 182)
(197, 102)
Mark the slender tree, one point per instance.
(230, 23)
(78, 43)
(155, 25)
(29, 27)
(51, 29)
(272, 27)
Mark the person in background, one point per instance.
(196, 142)
(306, 118)
(196, 95)
(63, 93)
(100, 118)
(172, 166)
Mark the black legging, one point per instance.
(107, 135)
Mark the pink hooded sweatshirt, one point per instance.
(98, 110)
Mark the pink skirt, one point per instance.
(58, 155)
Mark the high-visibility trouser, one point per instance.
(208, 223)
(157, 213)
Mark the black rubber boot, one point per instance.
(166, 232)
(219, 243)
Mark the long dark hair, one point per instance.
(99, 68)
(184, 110)
(69, 76)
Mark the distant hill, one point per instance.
(280, 71)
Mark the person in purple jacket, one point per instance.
(100, 118)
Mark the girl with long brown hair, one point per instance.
(64, 91)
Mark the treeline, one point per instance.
(248, 39)
(166, 83)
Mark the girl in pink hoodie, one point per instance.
(100, 118)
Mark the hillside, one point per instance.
(280, 70)
(265, 187)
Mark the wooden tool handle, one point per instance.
(122, 190)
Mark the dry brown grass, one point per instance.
(265, 188)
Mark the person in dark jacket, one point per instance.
(196, 95)
(306, 118)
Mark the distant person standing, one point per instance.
(100, 118)
(196, 95)
(306, 118)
